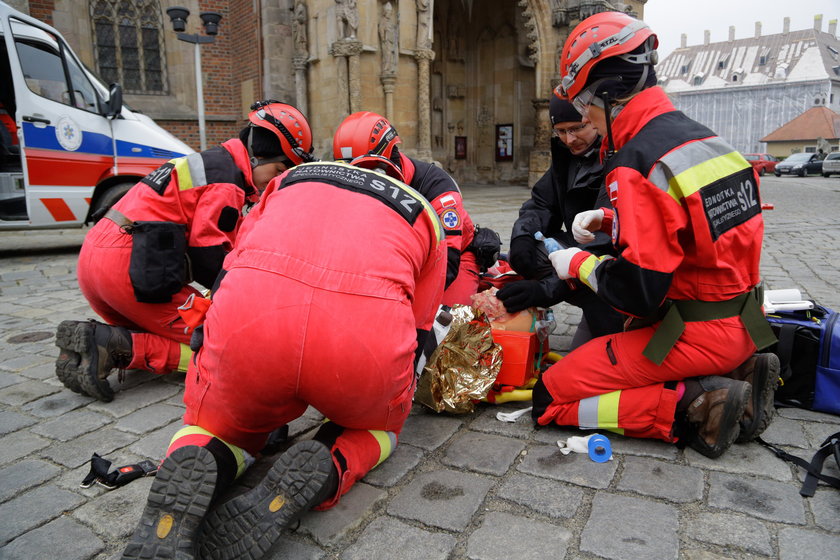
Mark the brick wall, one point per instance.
(215, 131)
(42, 10)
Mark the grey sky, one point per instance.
(670, 18)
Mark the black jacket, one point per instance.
(571, 185)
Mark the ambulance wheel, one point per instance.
(110, 197)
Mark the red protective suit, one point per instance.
(441, 190)
(688, 226)
(335, 273)
(205, 191)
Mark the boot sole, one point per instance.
(733, 409)
(247, 526)
(178, 501)
(67, 363)
(84, 343)
(765, 380)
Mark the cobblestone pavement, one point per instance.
(457, 486)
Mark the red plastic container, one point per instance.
(519, 356)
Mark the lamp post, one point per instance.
(210, 21)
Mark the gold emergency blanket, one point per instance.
(464, 366)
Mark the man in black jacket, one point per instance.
(573, 184)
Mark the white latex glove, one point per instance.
(585, 223)
(561, 260)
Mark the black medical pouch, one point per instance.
(158, 268)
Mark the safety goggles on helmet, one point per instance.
(380, 164)
(589, 97)
(261, 110)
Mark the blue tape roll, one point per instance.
(600, 449)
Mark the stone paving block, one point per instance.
(534, 539)
(817, 433)
(624, 528)
(286, 549)
(127, 401)
(484, 453)
(658, 479)
(77, 542)
(795, 544)
(785, 431)
(27, 391)
(34, 508)
(154, 444)
(429, 431)
(552, 434)
(78, 452)
(808, 415)
(547, 461)
(758, 497)
(24, 361)
(486, 421)
(43, 372)
(642, 447)
(310, 419)
(20, 444)
(544, 496)
(23, 475)
(748, 458)
(7, 379)
(72, 424)
(387, 538)
(442, 498)
(115, 513)
(730, 531)
(825, 505)
(56, 405)
(400, 463)
(12, 421)
(327, 527)
(149, 418)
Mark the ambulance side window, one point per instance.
(43, 69)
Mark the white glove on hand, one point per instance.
(585, 223)
(561, 260)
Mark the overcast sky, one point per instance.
(671, 18)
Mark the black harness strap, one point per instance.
(830, 446)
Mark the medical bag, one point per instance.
(809, 355)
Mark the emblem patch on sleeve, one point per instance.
(730, 202)
(450, 219)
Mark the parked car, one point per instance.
(762, 163)
(801, 164)
(831, 164)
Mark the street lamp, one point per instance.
(210, 21)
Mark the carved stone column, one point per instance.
(388, 85)
(349, 78)
(424, 58)
(301, 86)
(540, 158)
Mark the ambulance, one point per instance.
(68, 144)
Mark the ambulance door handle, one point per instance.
(29, 118)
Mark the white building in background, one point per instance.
(744, 89)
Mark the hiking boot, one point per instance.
(101, 348)
(247, 526)
(761, 371)
(178, 501)
(713, 417)
(67, 363)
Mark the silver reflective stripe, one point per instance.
(588, 413)
(197, 173)
(688, 156)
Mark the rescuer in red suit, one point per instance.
(336, 276)
(172, 228)
(365, 133)
(688, 229)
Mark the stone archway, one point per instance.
(482, 76)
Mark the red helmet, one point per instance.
(288, 124)
(380, 164)
(604, 35)
(365, 133)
